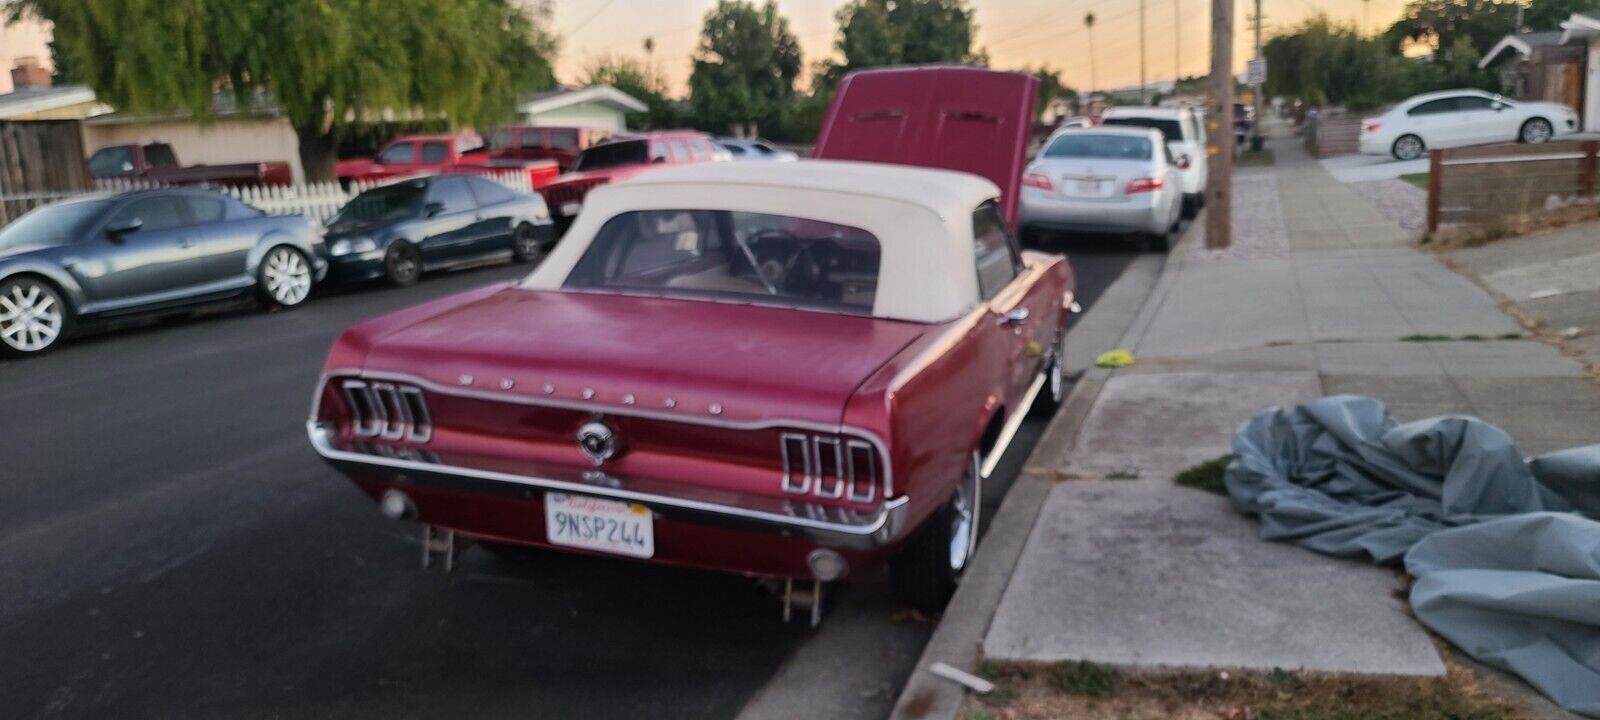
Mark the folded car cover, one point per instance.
(1506, 567)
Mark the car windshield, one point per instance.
(627, 152)
(390, 202)
(722, 254)
(1109, 147)
(1170, 129)
(52, 225)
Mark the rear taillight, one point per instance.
(831, 467)
(387, 411)
(1139, 185)
(1037, 180)
(1370, 126)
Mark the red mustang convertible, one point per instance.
(795, 371)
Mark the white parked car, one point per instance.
(1186, 138)
(752, 149)
(1454, 118)
(1104, 179)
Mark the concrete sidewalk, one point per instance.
(1142, 572)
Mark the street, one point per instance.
(172, 547)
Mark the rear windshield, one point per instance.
(626, 152)
(722, 254)
(1169, 128)
(1110, 147)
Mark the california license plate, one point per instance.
(571, 208)
(1086, 187)
(604, 525)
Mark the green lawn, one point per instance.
(1418, 179)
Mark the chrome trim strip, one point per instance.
(629, 411)
(1009, 432)
(817, 441)
(872, 470)
(883, 528)
(789, 485)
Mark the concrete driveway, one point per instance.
(1361, 168)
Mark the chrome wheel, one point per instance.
(964, 517)
(286, 276)
(1408, 148)
(1536, 131)
(31, 316)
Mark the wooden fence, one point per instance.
(1492, 183)
(30, 173)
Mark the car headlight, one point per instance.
(347, 246)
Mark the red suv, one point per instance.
(561, 144)
(621, 159)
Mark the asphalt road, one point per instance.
(171, 547)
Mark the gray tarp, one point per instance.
(1505, 569)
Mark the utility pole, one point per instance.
(1142, 99)
(1255, 127)
(1219, 129)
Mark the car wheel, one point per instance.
(1190, 207)
(1535, 131)
(33, 317)
(1158, 242)
(402, 265)
(1054, 391)
(284, 278)
(1408, 147)
(925, 572)
(525, 245)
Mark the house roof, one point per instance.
(1580, 26)
(33, 100)
(601, 94)
(1520, 43)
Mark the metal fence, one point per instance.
(1494, 183)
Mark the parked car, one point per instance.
(399, 231)
(1106, 179)
(147, 252)
(620, 159)
(463, 154)
(755, 149)
(1186, 138)
(1454, 118)
(529, 142)
(799, 371)
(156, 161)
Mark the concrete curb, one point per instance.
(959, 636)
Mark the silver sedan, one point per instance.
(1104, 179)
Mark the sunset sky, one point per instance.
(1015, 32)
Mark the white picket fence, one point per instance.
(318, 201)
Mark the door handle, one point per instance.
(1015, 317)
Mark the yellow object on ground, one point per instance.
(1114, 359)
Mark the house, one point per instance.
(33, 97)
(1538, 66)
(1582, 30)
(600, 107)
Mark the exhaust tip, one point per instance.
(396, 505)
(827, 565)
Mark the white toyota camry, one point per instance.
(1453, 118)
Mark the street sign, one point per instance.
(1256, 72)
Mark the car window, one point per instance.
(397, 154)
(761, 148)
(1099, 146)
(452, 192)
(997, 260)
(51, 225)
(625, 152)
(700, 150)
(532, 137)
(733, 149)
(160, 155)
(435, 152)
(751, 257)
(1172, 130)
(205, 209)
(500, 139)
(161, 212)
(1433, 107)
(564, 139)
(1473, 102)
(381, 204)
(658, 152)
(488, 191)
(680, 151)
(111, 162)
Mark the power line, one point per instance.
(603, 7)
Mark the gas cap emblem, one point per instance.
(597, 441)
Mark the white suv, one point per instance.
(1186, 138)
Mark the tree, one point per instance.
(630, 76)
(745, 67)
(1088, 27)
(1441, 22)
(1321, 62)
(874, 33)
(324, 64)
(1050, 89)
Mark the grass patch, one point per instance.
(1083, 678)
(1206, 476)
(1418, 179)
(1426, 338)
(1257, 158)
(1511, 336)
(980, 714)
(1123, 474)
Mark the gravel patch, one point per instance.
(1258, 229)
(1398, 200)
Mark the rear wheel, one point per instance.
(1158, 242)
(925, 572)
(1408, 147)
(402, 265)
(1190, 207)
(525, 245)
(1054, 391)
(33, 317)
(1535, 131)
(284, 278)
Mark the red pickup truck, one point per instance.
(561, 144)
(156, 161)
(466, 153)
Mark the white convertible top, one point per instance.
(921, 217)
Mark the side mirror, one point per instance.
(122, 227)
(433, 209)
